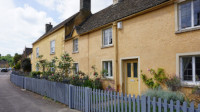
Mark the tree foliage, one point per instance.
(7, 58)
(26, 65)
(16, 58)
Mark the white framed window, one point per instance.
(52, 47)
(190, 69)
(37, 52)
(107, 66)
(189, 14)
(76, 68)
(107, 37)
(75, 45)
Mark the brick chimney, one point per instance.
(116, 1)
(85, 5)
(48, 27)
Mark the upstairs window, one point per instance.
(190, 69)
(52, 47)
(107, 65)
(75, 45)
(37, 52)
(189, 14)
(107, 37)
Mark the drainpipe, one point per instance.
(116, 62)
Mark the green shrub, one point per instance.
(97, 84)
(163, 94)
(56, 78)
(174, 83)
(26, 65)
(75, 80)
(17, 66)
(35, 74)
(87, 82)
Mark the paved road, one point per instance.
(13, 99)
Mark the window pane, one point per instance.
(197, 63)
(111, 71)
(187, 68)
(196, 12)
(128, 69)
(105, 39)
(75, 45)
(106, 67)
(135, 70)
(110, 36)
(185, 15)
(75, 68)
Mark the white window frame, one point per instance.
(179, 67)
(192, 16)
(75, 50)
(52, 46)
(103, 37)
(37, 52)
(76, 68)
(109, 69)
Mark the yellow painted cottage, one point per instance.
(130, 36)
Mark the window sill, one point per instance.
(108, 78)
(189, 84)
(103, 47)
(75, 52)
(188, 30)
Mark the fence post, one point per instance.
(87, 90)
(25, 83)
(71, 96)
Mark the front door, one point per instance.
(131, 77)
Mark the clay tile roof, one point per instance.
(116, 12)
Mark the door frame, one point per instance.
(121, 72)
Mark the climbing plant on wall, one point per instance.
(158, 78)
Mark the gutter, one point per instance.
(134, 15)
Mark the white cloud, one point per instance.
(19, 26)
(67, 8)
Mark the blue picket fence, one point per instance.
(87, 100)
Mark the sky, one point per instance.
(23, 21)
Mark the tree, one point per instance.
(7, 58)
(17, 65)
(26, 65)
(16, 58)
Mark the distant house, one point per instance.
(27, 53)
(4, 64)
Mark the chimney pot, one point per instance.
(116, 1)
(48, 27)
(85, 5)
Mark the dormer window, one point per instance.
(189, 14)
(107, 37)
